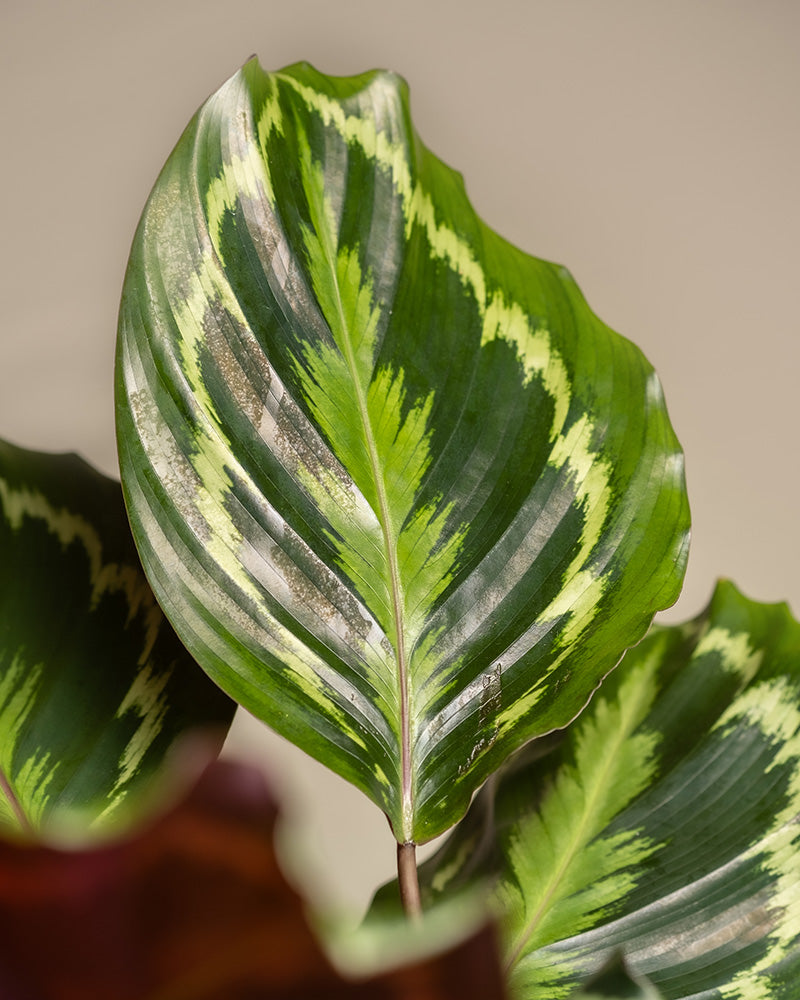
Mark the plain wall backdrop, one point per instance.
(651, 147)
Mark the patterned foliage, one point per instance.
(398, 489)
(95, 688)
(663, 823)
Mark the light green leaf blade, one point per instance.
(663, 823)
(95, 688)
(400, 492)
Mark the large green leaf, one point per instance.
(95, 688)
(664, 823)
(400, 492)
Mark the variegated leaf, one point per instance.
(664, 823)
(95, 688)
(399, 490)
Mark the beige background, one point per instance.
(652, 147)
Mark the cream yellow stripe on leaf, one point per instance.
(69, 527)
(359, 129)
(212, 449)
(145, 695)
(147, 698)
(535, 348)
(772, 706)
(735, 653)
(580, 594)
(33, 780)
(447, 245)
(241, 177)
(270, 118)
(244, 174)
(419, 209)
(29, 779)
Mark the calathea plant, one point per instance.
(403, 496)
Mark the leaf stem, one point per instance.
(408, 880)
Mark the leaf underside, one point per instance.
(663, 825)
(95, 688)
(400, 492)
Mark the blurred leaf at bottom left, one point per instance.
(96, 691)
(194, 908)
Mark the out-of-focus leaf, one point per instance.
(615, 982)
(399, 490)
(664, 824)
(95, 687)
(194, 908)
(396, 941)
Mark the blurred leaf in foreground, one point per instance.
(193, 908)
(96, 690)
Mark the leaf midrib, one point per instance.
(390, 549)
(576, 842)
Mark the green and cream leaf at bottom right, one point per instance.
(664, 825)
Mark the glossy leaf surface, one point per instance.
(194, 908)
(664, 824)
(95, 687)
(401, 493)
